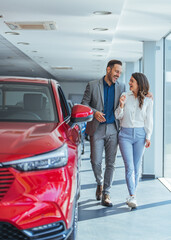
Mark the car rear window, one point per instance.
(27, 102)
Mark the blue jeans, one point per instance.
(132, 145)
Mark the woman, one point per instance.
(135, 112)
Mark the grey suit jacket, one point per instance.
(94, 98)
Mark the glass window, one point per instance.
(64, 104)
(167, 109)
(26, 102)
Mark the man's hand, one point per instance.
(100, 116)
(147, 143)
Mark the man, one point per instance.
(103, 97)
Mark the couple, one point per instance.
(115, 111)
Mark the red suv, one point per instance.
(40, 155)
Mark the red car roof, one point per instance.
(24, 79)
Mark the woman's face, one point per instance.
(133, 85)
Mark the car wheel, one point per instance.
(75, 224)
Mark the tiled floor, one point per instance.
(150, 221)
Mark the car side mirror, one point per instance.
(81, 113)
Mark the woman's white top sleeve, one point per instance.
(132, 116)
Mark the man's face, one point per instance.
(114, 73)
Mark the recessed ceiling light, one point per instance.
(102, 13)
(62, 68)
(98, 55)
(99, 40)
(12, 33)
(98, 49)
(100, 29)
(23, 43)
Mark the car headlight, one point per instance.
(55, 159)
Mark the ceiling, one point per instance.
(83, 35)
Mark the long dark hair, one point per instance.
(143, 86)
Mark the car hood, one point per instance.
(21, 140)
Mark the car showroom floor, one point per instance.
(150, 221)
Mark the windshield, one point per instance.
(27, 102)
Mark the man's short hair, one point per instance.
(113, 62)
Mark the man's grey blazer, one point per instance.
(94, 98)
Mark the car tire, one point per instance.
(73, 235)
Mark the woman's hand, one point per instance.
(100, 116)
(147, 143)
(122, 101)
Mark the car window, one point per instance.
(26, 102)
(64, 104)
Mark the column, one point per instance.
(153, 69)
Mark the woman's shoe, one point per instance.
(131, 202)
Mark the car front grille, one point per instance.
(54, 231)
(9, 232)
(6, 179)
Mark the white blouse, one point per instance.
(132, 116)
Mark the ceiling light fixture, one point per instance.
(100, 29)
(12, 33)
(100, 40)
(102, 13)
(98, 49)
(31, 25)
(62, 68)
(23, 43)
(98, 55)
